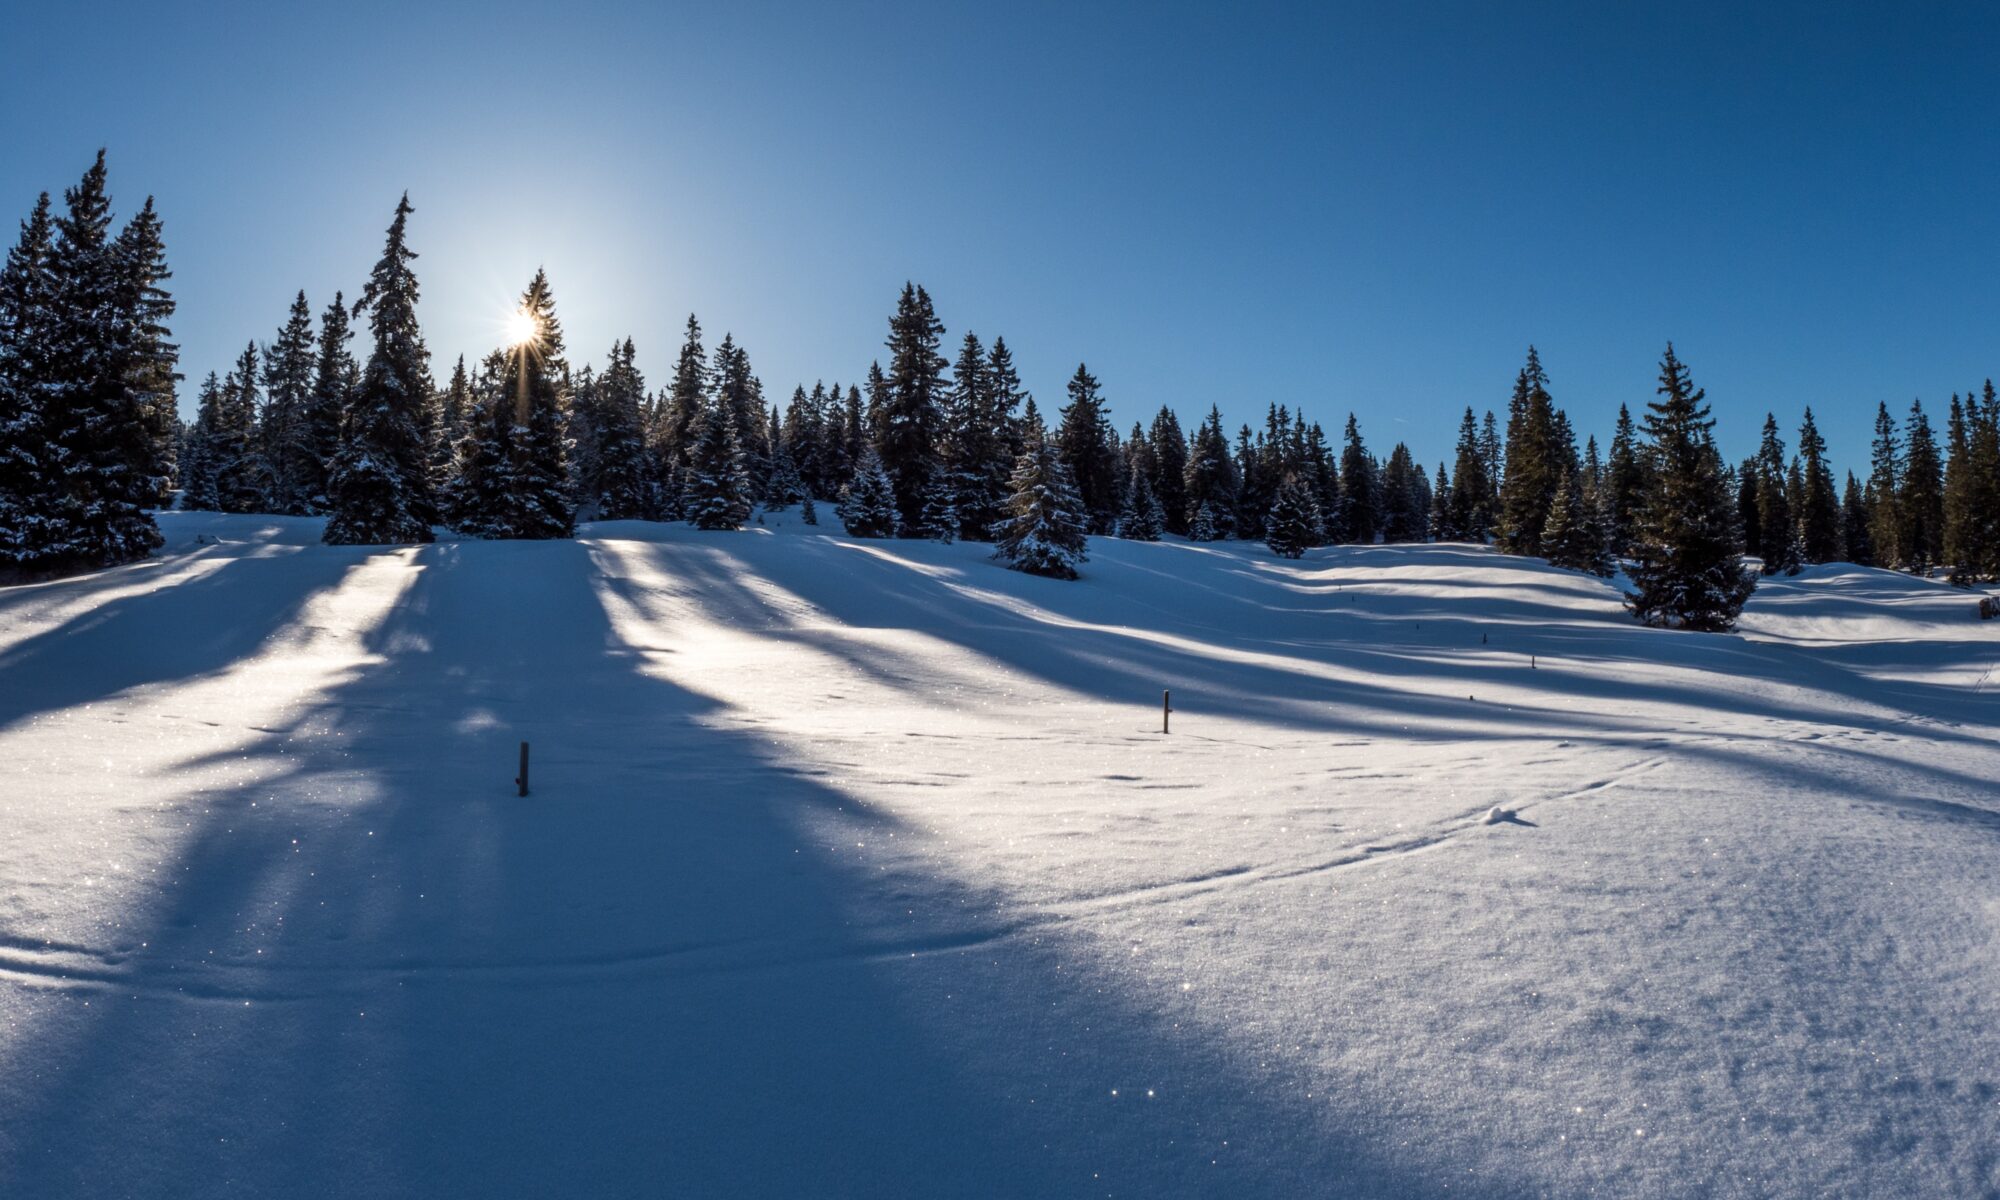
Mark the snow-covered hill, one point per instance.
(863, 869)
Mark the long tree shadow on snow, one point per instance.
(670, 971)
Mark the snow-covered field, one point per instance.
(862, 869)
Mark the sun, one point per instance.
(522, 327)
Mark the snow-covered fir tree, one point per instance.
(1295, 524)
(909, 416)
(518, 484)
(1143, 519)
(378, 492)
(1576, 536)
(27, 314)
(1777, 531)
(1686, 572)
(717, 490)
(334, 375)
(235, 450)
(288, 383)
(152, 361)
(1045, 527)
(1084, 440)
(868, 502)
(615, 486)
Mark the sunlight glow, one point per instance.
(522, 327)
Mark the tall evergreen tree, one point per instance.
(151, 367)
(868, 502)
(1971, 507)
(1440, 524)
(616, 489)
(94, 431)
(1360, 512)
(1885, 485)
(456, 411)
(673, 432)
(199, 490)
(1625, 482)
(1534, 469)
(27, 469)
(1470, 515)
(1819, 503)
(1856, 546)
(1085, 443)
(911, 419)
(288, 382)
(1210, 478)
(1143, 520)
(1575, 537)
(1920, 502)
(1044, 530)
(1686, 572)
(981, 440)
(1404, 514)
(380, 482)
(1295, 524)
(1778, 530)
(521, 487)
(738, 389)
(242, 475)
(718, 489)
(1170, 458)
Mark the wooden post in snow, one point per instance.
(521, 780)
(1166, 711)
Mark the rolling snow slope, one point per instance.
(862, 869)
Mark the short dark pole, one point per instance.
(1166, 712)
(1531, 662)
(521, 780)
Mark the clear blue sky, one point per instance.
(1372, 209)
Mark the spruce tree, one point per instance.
(1045, 526)
(718, 488)
(1855, 524)
(1885, 485)
(1439, 524)
(1534, 471)
(288, 382)
(1170, 458)
(911, 415)
(526, 491)
(1920, 501)
(981, 439)
(1202, 528)
(673, 432)
(1971, 506)
(1143, 520)
(617, 489)
(1625, 482)
(868, 502)
(199, 490)
(379, 480)
(738, 390)
(1295, 524)
(456, 412)
(1084, 441)
(27, 469)
(1360, 512)
(1404, 511)
(94, 430)
(1686, 572)
(1470, 514)
(334, 371)
(151, 366)
(1210, 478)
(1575, 536)
(1819, 508)
(242, 475)
(1778, 531)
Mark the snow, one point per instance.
(861, 868)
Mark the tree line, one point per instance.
(519, 445)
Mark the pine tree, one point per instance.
(1202, 528)
(1360, 513)
(151, 367)
(1439, 523)
(738, 390)
(617, 487)
(1170, 459)
(525, 491)
(1575, 536)
(1625, 482)
(288, 382)
(911, 415)
(242, 476)
(672, 434)
(718, 485)
(1470, 516)
(1686, 572)
(1920, 501)
(868, 502)
(1210, 478)
(1534, 471)
(1885, 484)
(1819, 508)
(94, 431)
(456, 411)
(379, 481)
(1084, 441)
(1404, 514)
(325, 407)
(1971, 506)
(1778, 531)
(27, 314)
(197, 460)
(1294, 524)
(1045, 526)
(1143, 520)
(981, 436)
(1855, 524)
